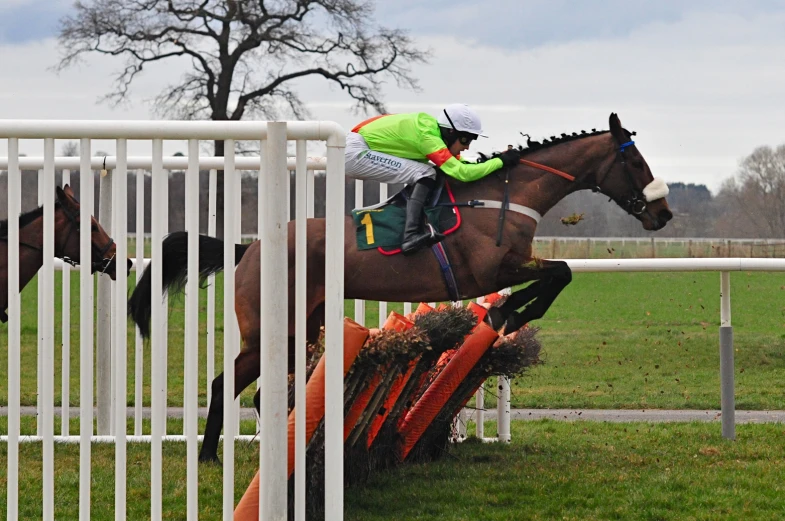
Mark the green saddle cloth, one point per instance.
(382, 227)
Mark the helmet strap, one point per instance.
(449, 135)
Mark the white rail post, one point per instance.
(382, 305)
(39, 331)
(726, 361)
(503, 410)
(65, 335)
(479, 400)
(192, 329)
(120, 327)
(211, 218)
(300, 296)
(138, 341)
(157, 331)
(103, 355)
(231, 333)
(46, 280)
(334, 293)
(359, 304)
(14, 315)
(86, 194)
(274, 307)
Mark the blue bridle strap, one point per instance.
(625, 145)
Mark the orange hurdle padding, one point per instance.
(394, 322)
(354, 337)
(395, 391)
(422, 309)
(435, 397)
(490, 300)
(478, 310)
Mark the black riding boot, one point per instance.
(414, 237)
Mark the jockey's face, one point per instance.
(457, 148)
(462, 143)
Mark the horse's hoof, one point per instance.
(495, 318)
(211, 459)
(514, 323)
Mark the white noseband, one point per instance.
(657, 189)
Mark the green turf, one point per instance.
(626, 340)
(551, 471)
(589, 471)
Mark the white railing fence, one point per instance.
(273, 138)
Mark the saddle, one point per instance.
(380, 226)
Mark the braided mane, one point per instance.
(533, 146)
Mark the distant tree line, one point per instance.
(749, 205)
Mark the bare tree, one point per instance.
(70, 149)
(244, 55)
(757, 194)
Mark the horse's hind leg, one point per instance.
(246, 370)
(556, 275)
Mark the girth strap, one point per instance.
(512, 207)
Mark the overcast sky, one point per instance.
(702, 82)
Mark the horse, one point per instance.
(66, 237)
(485, 257)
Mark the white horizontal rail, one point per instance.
(647, 240)
(143, 438)
(169, 162)
(697, 264)
(180, 130)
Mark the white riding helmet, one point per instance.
(462, 118)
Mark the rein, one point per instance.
(559, 173)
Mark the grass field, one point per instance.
(551, 471)
(625, 340)
(635, 340)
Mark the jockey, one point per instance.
(397, 148)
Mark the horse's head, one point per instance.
(67, 223)
(630, 183)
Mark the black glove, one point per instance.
(510, 157)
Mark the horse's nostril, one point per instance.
(665, 215)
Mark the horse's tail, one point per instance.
(175, 272)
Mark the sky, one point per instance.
(702, 82)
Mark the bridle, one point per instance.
(100, 265)
(636, 203)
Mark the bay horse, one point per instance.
(66, 238)
(606, 161)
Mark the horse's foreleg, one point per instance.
(499, 315)
(557, 275)
(246, 370)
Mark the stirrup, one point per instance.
(435, 236)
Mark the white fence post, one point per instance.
(14, 330)
(65, 335)
(273, 399)
(103, 347)
(726, 361)
(120, 343)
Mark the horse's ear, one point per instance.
(61, 196)
(69, 191)
(616, 129)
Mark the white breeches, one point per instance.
(366, 164)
